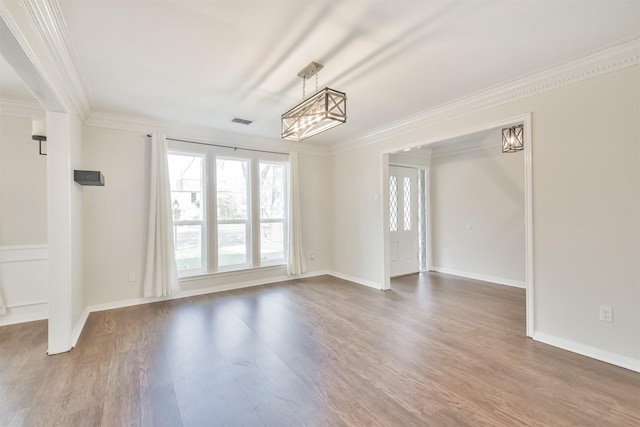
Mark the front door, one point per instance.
(403, 220)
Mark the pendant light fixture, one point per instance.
(513, 139)
(322, 111)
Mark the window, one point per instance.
(232, 188)
(229, 213)
(273, 212)
(186, 173)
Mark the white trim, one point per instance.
(27, 304)
(25, 62)
(617, 57)
(27, 311)
(12, 107)
(357, 280)
(463, 150)
(588, 351)
(23, 253)
(15, 318)
(77, 330)
(483, 277)
(429, 220)
(528, 221)
(201, 291)
(407, 165)
(227, 273)
(48, 21)
(383, 185)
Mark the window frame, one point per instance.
(248, 229)
(203, 223)
(210, 154)
(284, 220)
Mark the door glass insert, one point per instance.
(407, 203)
(393, 203)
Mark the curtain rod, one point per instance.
(224, 146)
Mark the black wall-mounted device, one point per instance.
(88, 177)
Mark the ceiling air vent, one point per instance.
(242, 121)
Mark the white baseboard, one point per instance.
(201, 291)
(357, 280)
(484, 278)
(586, 350)
(75, 335)
(14, 316)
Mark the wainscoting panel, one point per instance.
(24, 283)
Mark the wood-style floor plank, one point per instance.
(436, 350)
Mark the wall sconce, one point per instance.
(39, 133)
(513, 139)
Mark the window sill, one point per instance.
(230, 272)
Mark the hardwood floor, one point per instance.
(435, 350)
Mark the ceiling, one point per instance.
(203, 63)
(11, 86)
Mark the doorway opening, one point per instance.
(456, 221)
(407, 220)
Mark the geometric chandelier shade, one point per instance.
(513, 139)
(322, 111)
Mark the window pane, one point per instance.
(393, 203)
(231, 178)
(407, 203)
(185, 174)
(188, 246)
(232, 244)
(272, 241)
(272, 190)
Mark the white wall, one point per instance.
(23, 185)
(477, 214)
(357, 184)
(23, 222)
(48, 79)
(115, 223)
(586, 219)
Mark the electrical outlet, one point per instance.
(132, 276)
(606, 313)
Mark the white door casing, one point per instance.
(403, 220)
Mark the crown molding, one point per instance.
(470, 147)
(622, 55)
(20, 108)
(48, 21)
(145, 125)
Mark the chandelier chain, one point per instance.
(304, 87)
(317, 81)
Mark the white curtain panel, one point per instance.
(3, 307)
(296, 264)
(160, 277)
